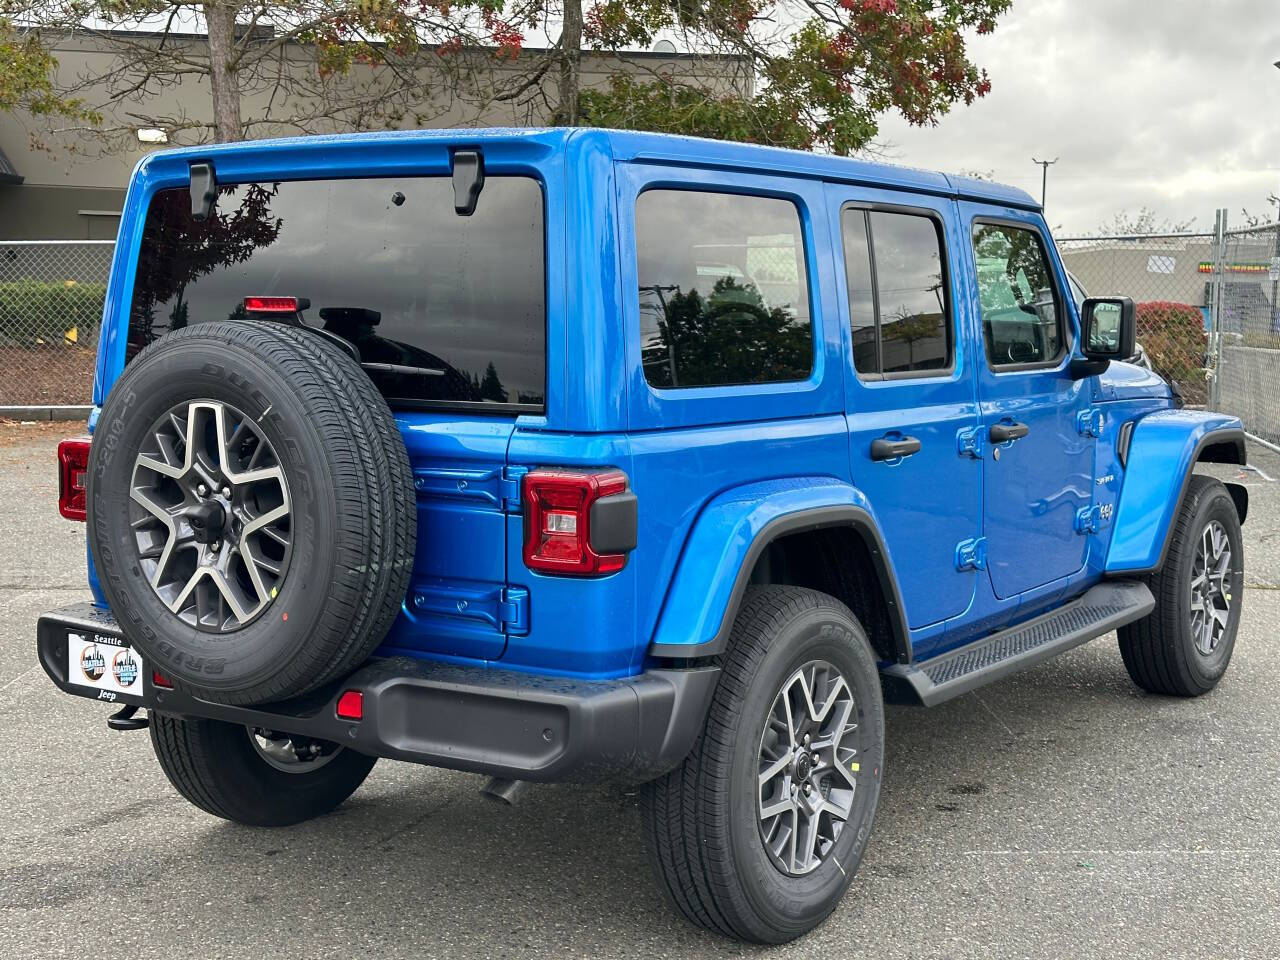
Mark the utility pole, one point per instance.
(1044, 175)
(1275, 266)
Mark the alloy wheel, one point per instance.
(1211, 576)
(210, 515)
(289, 753)
(806, 769)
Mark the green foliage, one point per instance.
(820, 85)
(629, 103)
(1173, 336)
(36, 313)
(814, 76)
(26, 76)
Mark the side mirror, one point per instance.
(1110, 328)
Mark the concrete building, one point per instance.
(66, 187)
(1143, 269)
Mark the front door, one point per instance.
(1038, 465)
(910, 396)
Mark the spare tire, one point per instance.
(251, 511)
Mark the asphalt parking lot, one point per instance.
(1060, 813)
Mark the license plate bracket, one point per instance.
(103, 667)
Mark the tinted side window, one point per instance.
(899, 308)
(724, 294)
(862, 302)
(912, 293)
(1016, 293)
(442, 308)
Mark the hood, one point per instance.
(1128, 381)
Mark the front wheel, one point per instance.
(758, 833)
(1182, 648)
(254, 776)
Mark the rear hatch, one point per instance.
(447, 314)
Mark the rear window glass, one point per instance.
(724, 295)
(442, 308)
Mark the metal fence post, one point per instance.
(1214, 363)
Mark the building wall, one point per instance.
(1143, 270)
(70, 180)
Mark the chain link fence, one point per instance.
(1247, 334)
(51, 295)
(1169, 277)
(1208, 314)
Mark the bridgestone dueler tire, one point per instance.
(215, 766)
(701, 820)
(353, 522)
(1159, 651)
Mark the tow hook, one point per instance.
(124, 719)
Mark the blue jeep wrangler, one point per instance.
(576, 455)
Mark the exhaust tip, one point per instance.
(504, 791)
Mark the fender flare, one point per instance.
(1159, 447)
(728, 538)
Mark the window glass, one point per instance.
(724, 295)
(912, 293)
(440, 307)
(899, 313)
(1020, 321)
(862, 304)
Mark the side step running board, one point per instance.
(1100, 610)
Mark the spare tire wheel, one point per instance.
(251, 511)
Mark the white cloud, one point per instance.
(1169, 104)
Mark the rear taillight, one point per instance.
(73, 465)
(271, 304)
(562, 507)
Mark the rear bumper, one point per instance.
(497, 722)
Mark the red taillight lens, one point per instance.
(271, 304)
(557, 524)
(351, 705)
(73, 465)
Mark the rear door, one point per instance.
(910, 396)
(1038, 473)
(447, 315)
(479, 310)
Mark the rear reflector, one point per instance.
(158, 679)
(351, 705)
(73, 466)
(271, 304)
(558, 522)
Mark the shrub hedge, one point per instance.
(1174, 338)
(34, 312)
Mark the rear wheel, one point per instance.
(758, 833)
(1182, 648)
(258, 777)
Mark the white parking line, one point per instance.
(22, 676)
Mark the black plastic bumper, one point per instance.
(499, 722)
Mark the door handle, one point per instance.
(885, 448)
(1005, 430)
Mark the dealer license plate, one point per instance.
(114, 670)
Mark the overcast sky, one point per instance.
(1169, 104)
